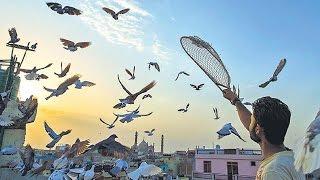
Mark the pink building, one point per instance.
(226, 163)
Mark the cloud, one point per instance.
(160, 50)
(128, 30)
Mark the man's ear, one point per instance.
(258, 129)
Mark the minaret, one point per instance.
(161, 144)
(136, 139)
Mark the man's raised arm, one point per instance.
(243, 112)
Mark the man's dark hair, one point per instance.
(273, 116)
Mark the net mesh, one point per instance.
(207, 59)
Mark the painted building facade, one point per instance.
(226, 163)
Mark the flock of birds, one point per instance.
(66, 163)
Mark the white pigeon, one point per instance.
(226, 130)
(88, 175)
(144, 170)
(9, 150)
(10, 113)
(131, 116)
(79, 84)
(120, 165)
(307, 152)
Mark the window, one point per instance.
(207, 166)
(232, 169)
(253, 163)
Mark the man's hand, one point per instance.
(230, 95)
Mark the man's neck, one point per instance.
(268, 149)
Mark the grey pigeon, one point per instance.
(132, 97)
(216, 114)
(64, 71)
(72, 46)
(114, 14)
(132, 74)
(27, 158)
(274, 77)
(150, 133)
(34, 46)
(120, 165)
(79, 84)
(13, 36)
(65, 10)
(146, 96)
(54, 136)
(184, 109)
(226, 130)
(155, 65)
(182, 72)
(110, 126)
(131, 115)
(197, 87)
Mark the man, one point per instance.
(267, 126)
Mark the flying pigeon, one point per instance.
(132, 97)
(71, 46)
(132, 75)
(34, 46)
(110, 126)
(155, 65)
(111, 146)
(227, 129)
(55, 137)
(63, 71)
(114, 14)
(131, 115)
(120, 165)
(306, 153)
(27, 158)
(185, 109)
(63, 87)
(146, 96)
(274, 77)
(33, 75)
(79, 84)
(65, 10)
(182, 72)
(197, 87)
(215, 111)
(150, 133)
(9, 150)
(13, 36)
(144, 170)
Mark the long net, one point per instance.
(207, 59)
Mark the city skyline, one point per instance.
(250, 38)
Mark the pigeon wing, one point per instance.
(72, 11)
(66, 42)
(43, 76)
(153, 130)
(234, 131)
(147, 132)
(69, 81)
(88, 83)
(66, 70)
(26, 70)
(123, 11)
(124, 88)
(129, 72)
(140, 115)
(103, 121)
(47, 89)
(265, 84)
(157, 66)
(109, 11)
(54, 6)
(187, 74)
(280, 66)
(50, 132)
(83, 44)
(192, 85)
(45, 67)
(201, 85)
(147, 88)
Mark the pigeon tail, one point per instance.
(306, 155)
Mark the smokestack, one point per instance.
(161, 144)
(136, 139)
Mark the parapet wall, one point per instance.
(8, 174)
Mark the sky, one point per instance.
(251, 37)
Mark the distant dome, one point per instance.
(143, 145)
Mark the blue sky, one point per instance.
(251, 37)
